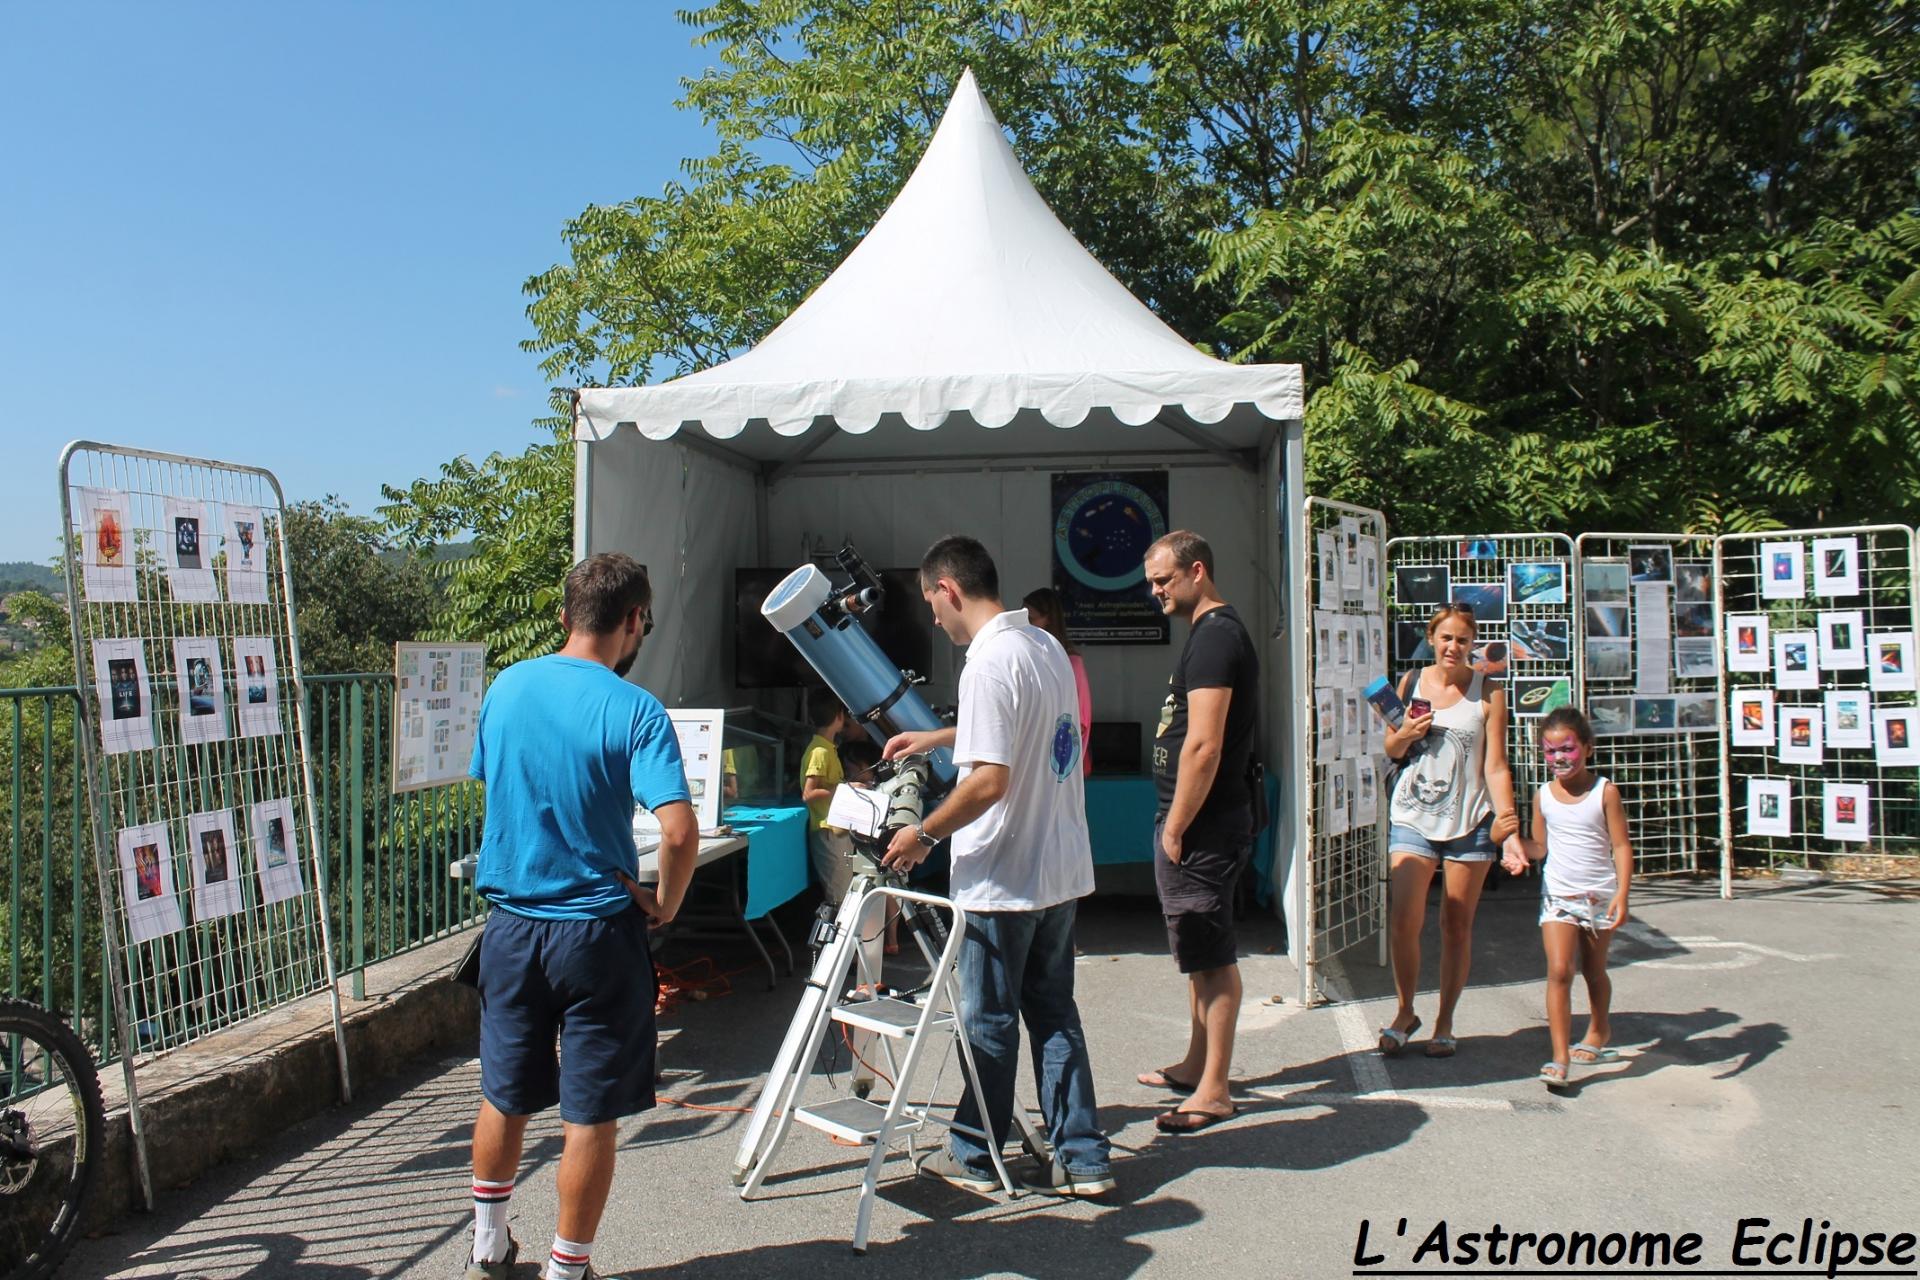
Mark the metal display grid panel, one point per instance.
(212, 973)
(1887, 573)
(1669, 781)
(1346, 873)
(1481, 561)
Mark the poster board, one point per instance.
(436, 712)
(699, 730)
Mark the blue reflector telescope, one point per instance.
(825, 628)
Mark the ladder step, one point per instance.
(888, 1016)
(853, 1119)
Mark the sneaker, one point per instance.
(500, 1270)
(942, 1164)
(1055, 1179)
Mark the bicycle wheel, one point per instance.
(52, 1126)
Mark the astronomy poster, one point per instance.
(1103, 523)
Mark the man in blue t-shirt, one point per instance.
(567, 748)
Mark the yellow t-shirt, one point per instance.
(821, 760)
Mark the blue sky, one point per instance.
(294, 234)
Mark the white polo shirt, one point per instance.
(1019, 708)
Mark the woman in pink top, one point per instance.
(1045, 612)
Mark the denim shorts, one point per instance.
(1475, 846)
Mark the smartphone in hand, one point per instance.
(1418, 707)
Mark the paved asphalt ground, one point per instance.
(1770, 1054)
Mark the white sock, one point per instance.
(490, 1219)
(569, 1260)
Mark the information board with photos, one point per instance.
(436, 712)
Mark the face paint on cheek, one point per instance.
(1563, 761)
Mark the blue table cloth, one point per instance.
(776, 854)
(1120, 822)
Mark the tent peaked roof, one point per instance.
(967, 297)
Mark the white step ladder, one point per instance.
(923, 1027)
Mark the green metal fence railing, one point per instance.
(386, 856)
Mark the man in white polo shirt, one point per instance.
(1021, 862)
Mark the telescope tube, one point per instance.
(854, 667)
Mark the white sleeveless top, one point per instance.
(1442, 789)
(1579, 849)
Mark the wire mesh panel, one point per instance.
(199, 776)
(1650, 682)
(1823, 762)
(1520, 586)
(1346, 835)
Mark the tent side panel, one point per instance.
(692, 520)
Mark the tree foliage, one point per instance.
(353, 594)
(1547, 264)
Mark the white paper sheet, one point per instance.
(1836, 566)
(1748, 646)
(245, 534)
(1327, 548)
(256, 684)
(202, 688)
(1849, 718)
(146, 883)
(1366, 789)
(1352, 575)
(1370, 569)
(1896, 736)
(1377, 646)
(1800, 735)
(1890, 661)
(125, 692)
(1334, 789)
(856, 809)
(1326, 724)
(438, 689)
(276, 851)
(1783, 574)
(1751, 718)
(1652, 637)
(186, 549)
(1353, 718)
(214, 854)
(1796, 660)
(1846, 811)
(1843, 642)
(1769, 807)
(105, 529)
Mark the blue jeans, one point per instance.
(1018, 965)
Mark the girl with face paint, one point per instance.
(1580, 829)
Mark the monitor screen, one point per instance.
(765, 659)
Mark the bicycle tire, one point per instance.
(48, 1183)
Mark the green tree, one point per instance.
(355, 592)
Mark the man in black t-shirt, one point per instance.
(1203, 834)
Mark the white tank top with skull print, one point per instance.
(1442, 789)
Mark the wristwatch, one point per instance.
(920, 834)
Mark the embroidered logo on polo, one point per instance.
(1066, 746)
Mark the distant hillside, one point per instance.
(21, 575)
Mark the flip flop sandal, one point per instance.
(1442, 1047)
(1555, 1075)
(1177, 1121)
(1594, 1053)
(1161, 1080)
(1392, 1042)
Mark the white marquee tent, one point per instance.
(964, 351)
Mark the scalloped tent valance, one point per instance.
(967, 302)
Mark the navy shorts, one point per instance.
(586, 986)
(1196, 897)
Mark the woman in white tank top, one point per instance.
(1449, 810)
(1580, 828)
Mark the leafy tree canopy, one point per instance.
(1548, 264)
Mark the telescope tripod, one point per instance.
(909, 1029)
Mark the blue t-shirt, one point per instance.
(567, 749)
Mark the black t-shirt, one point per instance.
(1219, 655)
